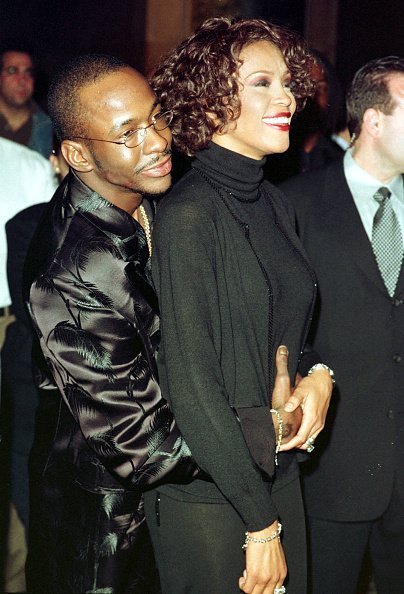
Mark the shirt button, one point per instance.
(390, 414)
(397, 358)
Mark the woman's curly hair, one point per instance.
(201, 75)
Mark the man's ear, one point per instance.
(371, 121)
(77, 156)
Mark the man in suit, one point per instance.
(103, 430)
(26, 178)
(350, 218)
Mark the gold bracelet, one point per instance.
(272, 536)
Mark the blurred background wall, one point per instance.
(347, 32)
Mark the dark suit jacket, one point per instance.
(359, 332)
(106, 432)
(17, 382)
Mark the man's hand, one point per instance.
(281, 394)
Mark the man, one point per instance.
(106, 432)
(26, 179)
(21, 120)
(350, 218)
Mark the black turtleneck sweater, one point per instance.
(233, 285)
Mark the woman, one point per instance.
(233, 285)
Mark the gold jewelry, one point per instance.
(146, 227)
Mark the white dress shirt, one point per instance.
(363, 187)
(26, 178)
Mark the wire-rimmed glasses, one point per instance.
(133, 138)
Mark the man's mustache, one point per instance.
(153, 161)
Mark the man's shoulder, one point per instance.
(312, 184)
(14, 149)
(25, 176)
(39, 116)
(29, 214)
(311, 178)
(20, 158)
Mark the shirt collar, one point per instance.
(122, 229)
(364, 184)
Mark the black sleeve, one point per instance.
(184, 272)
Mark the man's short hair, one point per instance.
(67, 114)
(21, 47)
(369, 89)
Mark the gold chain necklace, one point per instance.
(146, 227)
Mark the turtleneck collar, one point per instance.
(233, 172)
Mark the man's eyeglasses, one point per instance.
(133, 138)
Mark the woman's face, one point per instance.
(267, 104)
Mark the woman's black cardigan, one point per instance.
(219, 317)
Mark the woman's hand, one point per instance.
(265, 564)
(312, 394)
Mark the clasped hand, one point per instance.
(306, 403)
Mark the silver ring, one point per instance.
(310, 447)
(280, 590)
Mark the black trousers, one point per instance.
(198, 545)
(337, 551)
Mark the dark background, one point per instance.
(58, 29)
(368, 29)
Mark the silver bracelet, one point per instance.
(322, 366)
(280, 432)
(272, 536)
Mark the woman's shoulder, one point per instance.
(189, 198)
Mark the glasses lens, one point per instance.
(136, 138)
(163, 120)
